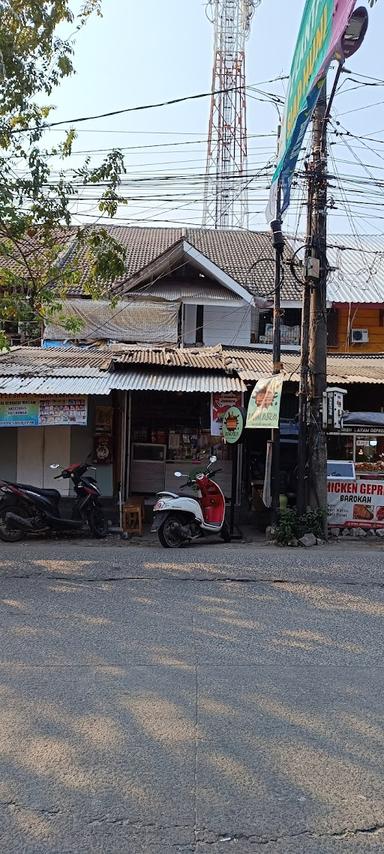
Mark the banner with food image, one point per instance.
(264, 405)
(356, 504)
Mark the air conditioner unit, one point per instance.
(359, 336)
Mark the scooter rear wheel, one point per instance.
(225, 533)
(7, 534)
(169, 534)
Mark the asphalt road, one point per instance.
(211, 700)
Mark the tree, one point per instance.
(36, 232)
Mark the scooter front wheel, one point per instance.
(170, 534)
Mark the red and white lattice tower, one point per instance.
(226, 196)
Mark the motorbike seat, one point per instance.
(53, 494)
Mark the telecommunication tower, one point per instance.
(226, 195)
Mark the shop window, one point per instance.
(332, 327)
(290, 327)
(369, 453)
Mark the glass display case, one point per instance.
(365, 449)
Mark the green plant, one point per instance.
(291, 526)
(286, 529)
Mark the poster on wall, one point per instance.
(63, 410)
(43, 412)
(264, 405)
(19, 413)
(355, 504)
(220, 402)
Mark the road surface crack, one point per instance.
(207, 837)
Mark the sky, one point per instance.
(141, 53)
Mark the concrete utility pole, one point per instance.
(312, 450)
(318, 271)
(278, 244)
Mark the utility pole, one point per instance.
(278, 244)
(317, 271)
(312, 449)
(302, 468)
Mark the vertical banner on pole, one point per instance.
(319, 42)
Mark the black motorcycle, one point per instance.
(28, 509)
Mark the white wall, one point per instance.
(37, 448)
(227, 325)
(222, 325)
(189, 324)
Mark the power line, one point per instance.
(142, 107)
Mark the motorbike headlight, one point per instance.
(159, 505)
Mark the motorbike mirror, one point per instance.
(178, 474)
(55, 466)
(213, 459)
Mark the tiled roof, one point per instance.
(29, 252)
(235, 252)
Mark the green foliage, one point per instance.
(36, 205)
(291, 526)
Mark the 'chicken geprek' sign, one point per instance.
(356, 504)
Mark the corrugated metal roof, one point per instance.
(357, 262)
(56, 385)
(205, 358)
(36, 360)
(250, 365)
(175, 381)
(45, 371)
(34, 371)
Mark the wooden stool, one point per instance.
(138, 500)
(133, 518)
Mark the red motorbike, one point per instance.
(179, 518)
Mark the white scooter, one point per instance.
(178, 519)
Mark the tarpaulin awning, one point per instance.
(132, 320)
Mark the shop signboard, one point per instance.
(264, 405)
(43, 412)
(322, 27)
(19, 413)
(233, 425)
(220, 402)
(355, 504)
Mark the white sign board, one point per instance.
(356, 503)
